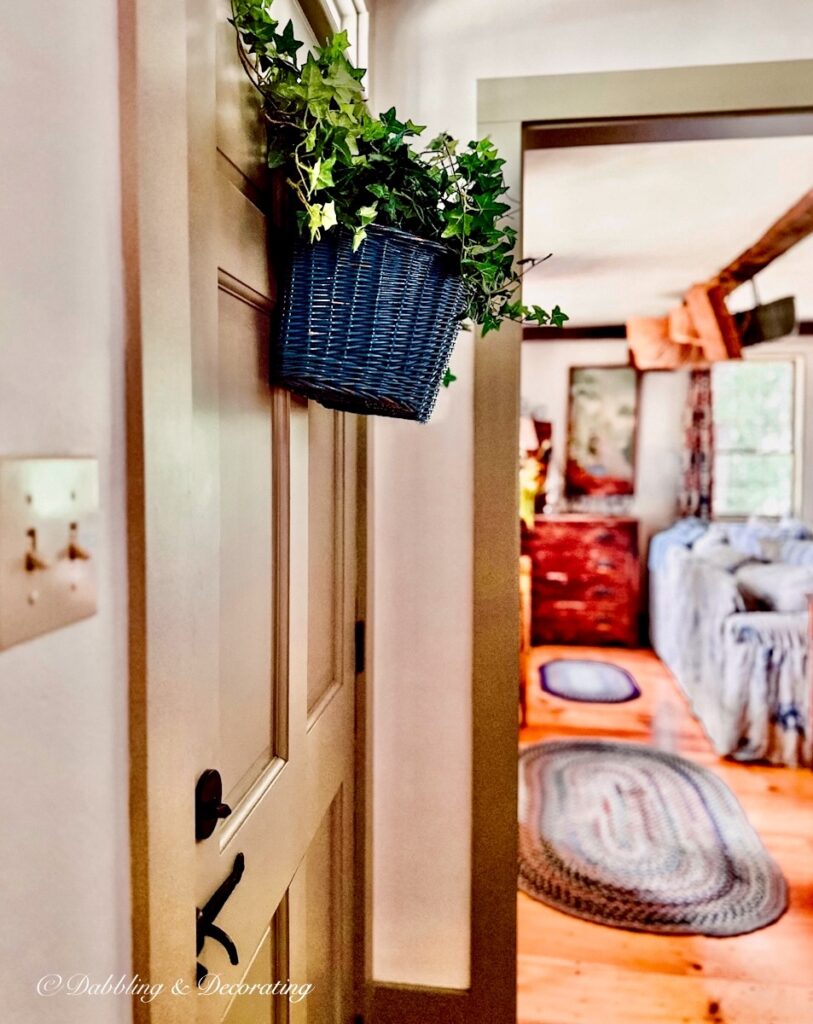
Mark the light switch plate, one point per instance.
(57, 499)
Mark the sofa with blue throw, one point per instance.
(728, 617)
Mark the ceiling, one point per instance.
(631, 227)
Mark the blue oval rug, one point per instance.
(592, 682)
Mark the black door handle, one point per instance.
(205, 918)
(209, 806)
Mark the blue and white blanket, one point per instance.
(681, 535)
(744, 673)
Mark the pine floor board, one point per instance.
(576, 972)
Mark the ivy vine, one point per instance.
(349, 169)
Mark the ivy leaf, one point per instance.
(367, 214)
(315, 86)
(336, 46)
(287, 43)
(541, 316)
(448, 377)
(324, 177)
(329, 219)
(276, 155)
(313, 174)
(490, 323)
(391, 122)
(373, 130)
(557, 317)
(341, 79)
(410, 128)
(443, 143)
(315, 215)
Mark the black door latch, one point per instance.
(206, 927)
(209, 806)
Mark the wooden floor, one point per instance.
(575, 972)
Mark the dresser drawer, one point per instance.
(581, 551)
(622, 608)
(556, 585)
(581, 563)
(609, 562)
(576, 622)
(587, 533)
(601, 564)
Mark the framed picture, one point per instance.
(601, 429)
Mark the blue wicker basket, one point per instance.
(369, 331)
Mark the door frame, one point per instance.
(160, 457)
(504, 107)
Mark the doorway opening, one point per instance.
(639, 201)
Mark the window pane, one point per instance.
(753, 484)
(753, 406)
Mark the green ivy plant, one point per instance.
(349, 169)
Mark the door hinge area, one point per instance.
(360, 637)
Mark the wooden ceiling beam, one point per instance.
(792, 227)
(601, 332)
(607, 332)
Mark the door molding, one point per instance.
(504, 106)
(155, 216)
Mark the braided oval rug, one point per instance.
(628, 836)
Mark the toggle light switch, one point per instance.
(32, 560)
(48, 522)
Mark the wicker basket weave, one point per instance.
(369, 331)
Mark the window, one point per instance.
(754, 420)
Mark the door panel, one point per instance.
(248, 686)
(239, 136)
(268, 965)
(256, 1008)
(242, 237)
(324, 538)
(323, 900)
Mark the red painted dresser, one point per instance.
(586, 580)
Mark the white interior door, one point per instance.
(270, 540)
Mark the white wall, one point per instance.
(64, 863)
(662, 399)
(426, 57)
